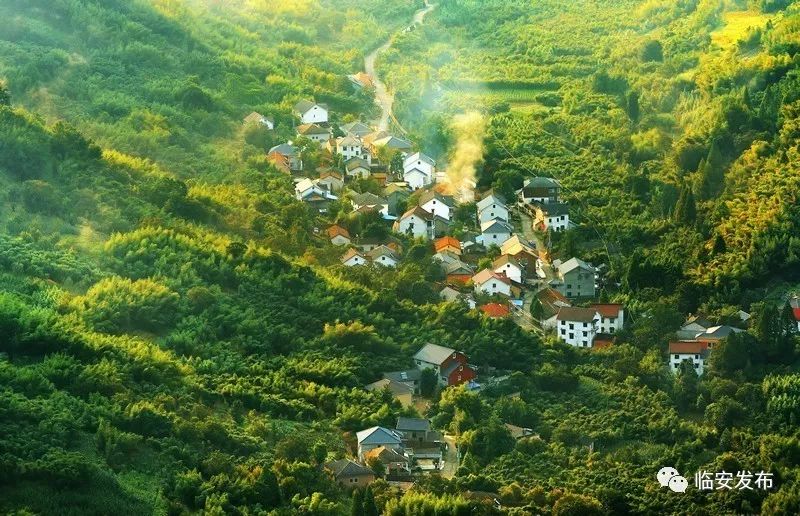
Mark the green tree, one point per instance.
(652, 51)
(5, 95)
(357, 503)
(574, 505)
(632, 106)
(686, 211)
(370, 509)
(427, 382)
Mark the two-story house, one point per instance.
(450, 366)
(612, 316)
(576, 278)
(492, 207)
(577, 326)
(693, 351)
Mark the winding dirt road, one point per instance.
(383, 98)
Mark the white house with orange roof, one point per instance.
(612, 316)
(489, 282)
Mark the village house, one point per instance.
(383, 256)
(409, 377)
(508, 265)
(352, 257)
(577, 326)
(393, 143)
(415, 429)
(400, 391)
(550, 302)
(539, 189)
(361, 81)
(492, 207)
(489, 282)
(313, 194)
(338, 235)
(290, 154)
(357, 168)
(450, 366)
(495, 310)
(331, 181)
(458, 272)
(447, 244)
(495, 232)
(350, 147)
(576, 278)
(437, 204)
(518, 432)
(612, 316)
(418, 223)
(314, 132)
(521, 250)
(349, 474)
(376, 437)
(448, 293)
(419, 170)
(396, 195)
(311, 112)
(446, 257)
(693, 351)
(794, 304)
(693, 325)
(711, 336)
(395, 464)
(552, 216)
(370, 200)
(357, 129)
(280, 162)
(258, 118)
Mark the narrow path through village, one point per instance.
(383, 98)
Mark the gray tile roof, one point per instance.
(413, 424)
(378, 435)
(433, 354)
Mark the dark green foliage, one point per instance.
(652, 50)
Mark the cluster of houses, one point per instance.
(408, 447)
(412, 445)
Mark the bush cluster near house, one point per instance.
(176, 339)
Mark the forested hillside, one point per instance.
(177, 336)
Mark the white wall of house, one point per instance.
(558, 222)
(513, 272)
(355, 260)
(696, 359)
(315, 115)
(578, 334)
(350, 151)
(386, 261)
(612, 324)
(494, 286)
(413, 225)
(488, 239)
(340, 240)
(493, 211)
(437, 207)
(417, 179)
(428, 169)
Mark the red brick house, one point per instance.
(451, 366)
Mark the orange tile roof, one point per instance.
(446, 242)
(687, 347)
(495, 310)
(337, 230)
(607, 309)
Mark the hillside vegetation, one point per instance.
(176, 336)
